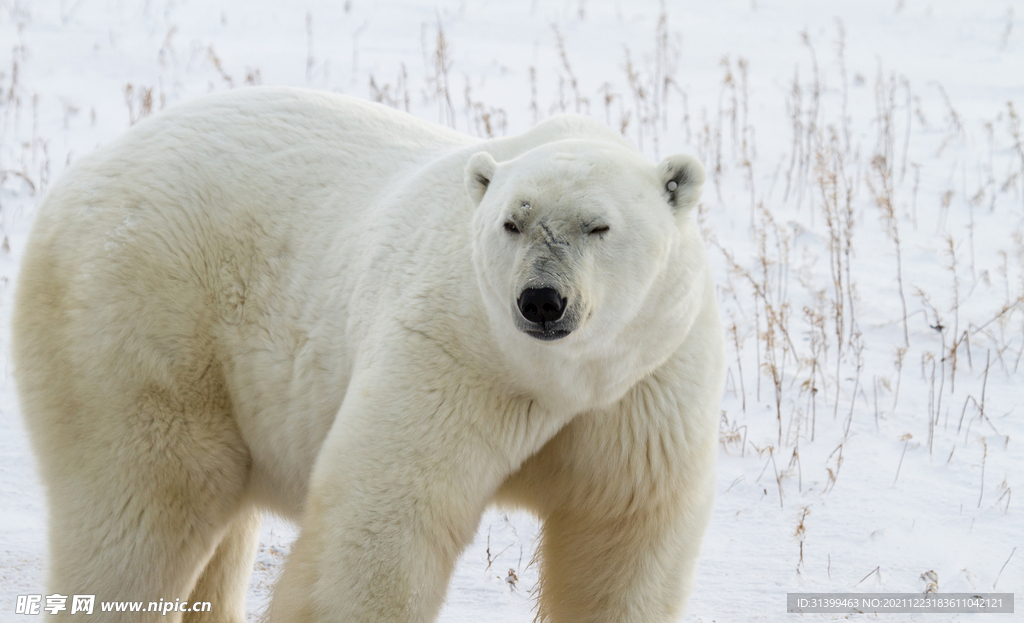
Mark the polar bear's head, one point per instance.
(575, 237)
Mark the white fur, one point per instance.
(287, 300)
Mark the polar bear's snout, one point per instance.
(545, 314)
(541, 305)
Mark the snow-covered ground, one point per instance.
(864, 211)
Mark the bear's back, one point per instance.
(195, 218)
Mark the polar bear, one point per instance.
(280, 299)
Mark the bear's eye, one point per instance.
(511, 228)
(600, 229)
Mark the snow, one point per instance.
(874, 497)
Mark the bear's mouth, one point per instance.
(550, 331)
(547, 335)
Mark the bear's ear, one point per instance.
(682, 177)
(479, 172)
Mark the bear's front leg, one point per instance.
(620, 542)
(631, 567)
(625, 496)
(396, 494)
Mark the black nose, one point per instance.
(541, 305)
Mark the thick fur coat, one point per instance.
(287, 300)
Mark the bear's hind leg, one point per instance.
(225, 580)
(141, 490)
